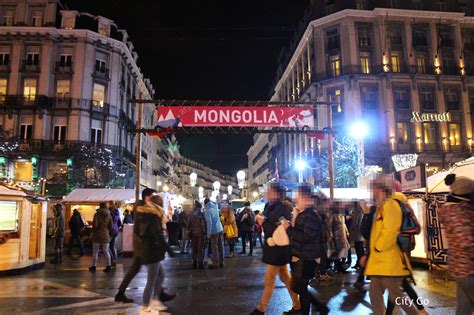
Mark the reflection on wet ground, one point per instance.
(70, 288)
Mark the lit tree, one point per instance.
(345, 165)
(95, 167)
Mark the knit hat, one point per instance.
(461, 187)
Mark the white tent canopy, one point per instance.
(349, 193)
(96, 195)
(436, 182)
(5, 191)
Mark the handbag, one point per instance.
(229, 231)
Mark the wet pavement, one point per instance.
(70, 288)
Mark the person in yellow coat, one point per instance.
(230, 228)
(387, 265)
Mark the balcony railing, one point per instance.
(380, 69)
(101, 73)
(24, 102)
(64, 67)
(127, 121)
(29, 66)
(38, 146)
(100, 107)
(5, 67)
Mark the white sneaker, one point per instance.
(157, 305)
(145, 309)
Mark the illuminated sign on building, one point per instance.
(429, 117)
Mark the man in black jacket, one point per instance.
(76, 225)
(276, 257)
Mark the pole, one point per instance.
(139, 149)
(331, 154)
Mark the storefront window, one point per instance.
(56, 172)
(9, 216)
(23, 171)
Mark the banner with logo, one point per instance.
(237, 116)
(413, 178)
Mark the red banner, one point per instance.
(237, 116)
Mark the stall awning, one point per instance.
(96, 195)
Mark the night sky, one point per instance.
(203, 49)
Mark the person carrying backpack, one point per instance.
(387, 265)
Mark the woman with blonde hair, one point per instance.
(230, 228)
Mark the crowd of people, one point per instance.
(310, 234)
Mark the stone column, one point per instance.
(349, 48)
(409, 50)
(458, 45)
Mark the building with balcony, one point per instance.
(206, 177)
(66, 79)
(408, 74)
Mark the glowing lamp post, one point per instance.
(300, 166)
(255, 195)
(241, 179)
(193, 179)
(229, 190)
(201, 193)
(166, 188)
(217, 186)
(224, 197)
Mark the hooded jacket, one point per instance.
(275, 255)
(75, 223)
(213, 221)
(101, 226)
(386, 258)
(246, 224)
(148, 238)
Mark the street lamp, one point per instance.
(217, 186)
(359, 130)
(193, 179)
(201, 192)
(214, 195)
(255, 195)
(230, 189)
(241, 179)
(166, 188)
(224, 197)
(300, 166)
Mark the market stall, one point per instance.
(87, 200)
(23, 222)
(431, 244)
